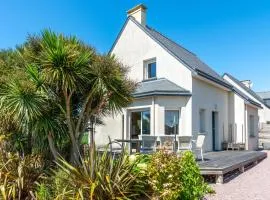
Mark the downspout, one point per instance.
(245, 126)
(154, 115)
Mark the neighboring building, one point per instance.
(266, 111)
(177, 93)
(244, 115)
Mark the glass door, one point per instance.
(140, 123)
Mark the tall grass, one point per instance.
(18, 176)
(99, 177)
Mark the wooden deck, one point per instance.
(223, 162)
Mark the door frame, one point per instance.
(214, 127)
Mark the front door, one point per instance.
(214, 130)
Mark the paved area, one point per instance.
(254, 184)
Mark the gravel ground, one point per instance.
(254, 184)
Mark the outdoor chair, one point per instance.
(199, 145)
(184, 143)
(148, 143)
(167, 142)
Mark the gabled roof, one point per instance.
(246, 98)
(250, 91)
(159, 87)
(186, 57)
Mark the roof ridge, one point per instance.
(253, 93)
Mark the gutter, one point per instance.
(211, 78)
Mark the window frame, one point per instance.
(146, 64)
(202, 129)
(178, 122)
(251, 126)
(141, 111)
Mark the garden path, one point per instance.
(253, 184)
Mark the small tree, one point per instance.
(71, 84)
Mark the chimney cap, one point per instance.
(140, 6)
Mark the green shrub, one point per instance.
(43, 192)
(164, 175)
(53, 185)
(173, 177)
(193, 185)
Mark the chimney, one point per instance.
(247, 83)
(139, 13)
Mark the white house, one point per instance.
(244, 116)
(177, 93)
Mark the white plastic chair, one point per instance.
(199, 145)
(167, 141)
(148, 142)
(184, 143)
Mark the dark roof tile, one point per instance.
(159, 87)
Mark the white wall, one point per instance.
(239, 119)
(112, 128)
(134, 46)
(157, 106)
(210, 98)
(264, 113)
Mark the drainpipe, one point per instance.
(245, 126)
(154, 115)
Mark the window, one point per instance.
(140, 123)
(171, 122)
(150, 69)
(251, 125)
(202, 121)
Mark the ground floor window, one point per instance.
(251, 125)
(171, 122)
(140, 123)
(202, 120)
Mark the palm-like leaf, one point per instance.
(22, 101)
(63, 62)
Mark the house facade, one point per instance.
(244, 116)
(177, 93)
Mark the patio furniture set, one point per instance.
(148, 144)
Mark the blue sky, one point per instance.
(230, 36)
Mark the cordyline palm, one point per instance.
(79, 82)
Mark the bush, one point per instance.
(193, 185)
(173, 177)
(164, 175)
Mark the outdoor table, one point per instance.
(138, 143)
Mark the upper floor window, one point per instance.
(150, 70)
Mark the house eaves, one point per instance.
(248, 90)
